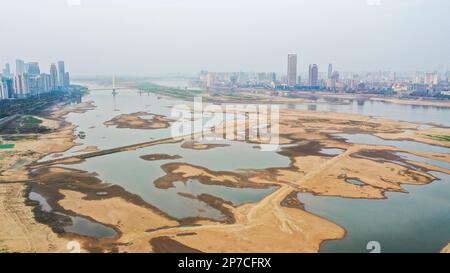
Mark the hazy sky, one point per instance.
(155, 37)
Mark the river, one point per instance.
(415, 222)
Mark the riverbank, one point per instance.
(19, 230)
(320, 163)
(121, 218)
(264, 96)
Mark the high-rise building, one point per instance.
(44, 83)
(20, 67)
(66, 79)
(330, 71)
(6, 71)
(53, 77)
(272, 77)
(33, 82)
(61, 73)
(242, 78)
(8, 85)
(292, 70)
(21, 85)
(431, 78)
(334, 81)
(262, 77)
(313, 75)
(33, 68)
(3, 93)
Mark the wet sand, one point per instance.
(252, 226)
(87, 149)
(136, 121)
(195, 145)
(277, 223)
(19, 230)
(446, 249)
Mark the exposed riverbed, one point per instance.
(416, 220)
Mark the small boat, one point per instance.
(81, 134)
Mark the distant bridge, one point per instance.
(109, 89)
(113, 87)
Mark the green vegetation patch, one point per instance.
(30, 122)
(168, 91)
(7, 146)
(439, 137)
(24, 124)
(188, 93)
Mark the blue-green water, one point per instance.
(136, 175)
(412, 113)
(418, 221)
(78, 225)
(402, 144)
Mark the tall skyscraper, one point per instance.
(8, 83)
(21, 85)
(313, 75)
(44, 83)
(292, 70)
(20, 67)
(3, 92)
(67, 79)
(61, 73)
(7, 71)
(330, 71)
(33, 68)
(33, 84)
(272, 77)
(53, 77)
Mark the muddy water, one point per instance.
(417, 221)
(402, 144)
(412, 113)
(408, 217)
(136, 175)
(78, 225)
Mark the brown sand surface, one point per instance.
(262, 227)
(424, 136)
(132, 220)
(277, 223)
(136, 121)
(446, 249)
(19, 230)
(296, 230)
(87, 149)
(195, 145)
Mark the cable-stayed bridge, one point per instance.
(113, 88)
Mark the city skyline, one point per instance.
(157, 39)
(27, 79)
